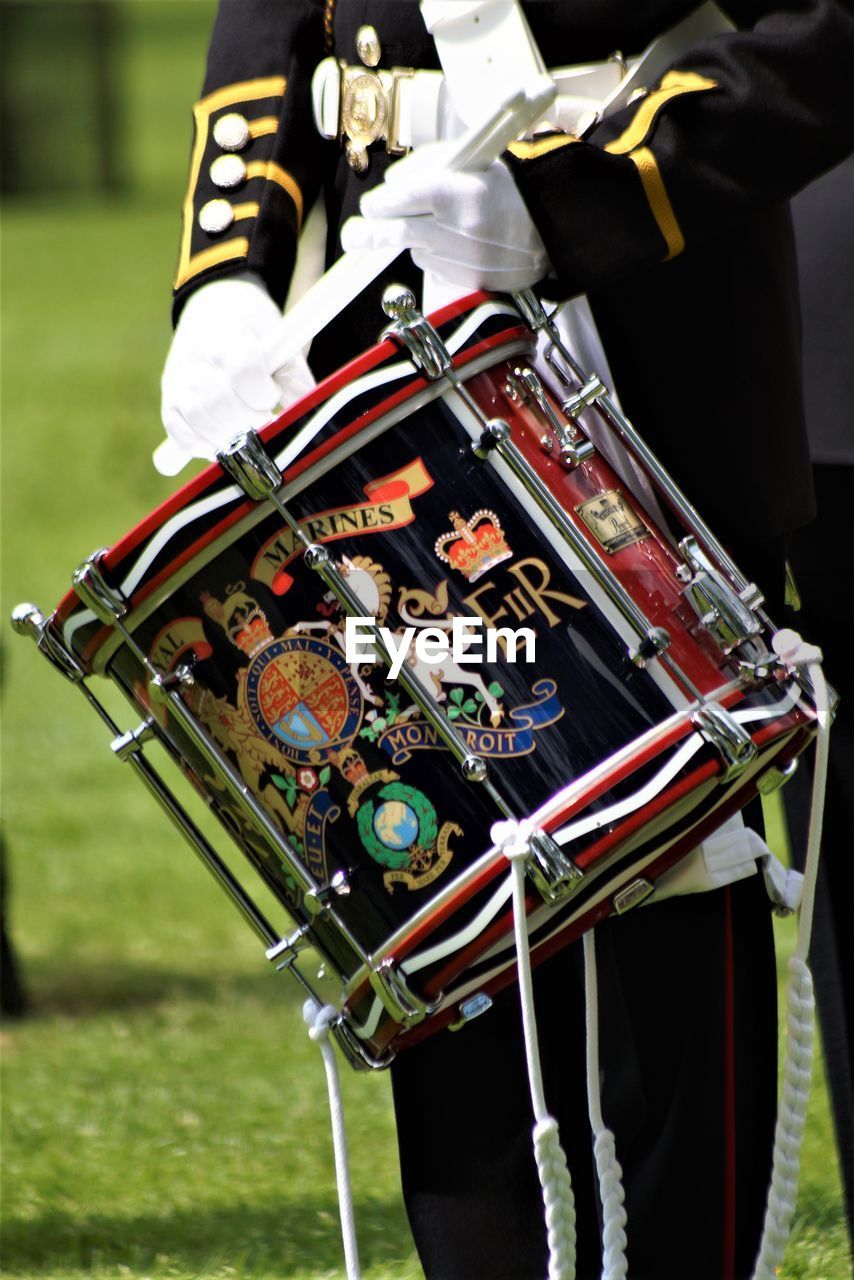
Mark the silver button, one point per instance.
(215, 216)
(368, 46)
(227, 172)
(231, 132)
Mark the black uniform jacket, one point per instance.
(671, 214)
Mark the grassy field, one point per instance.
(164, 1114)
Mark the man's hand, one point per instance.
(471, 229)
(216, 382)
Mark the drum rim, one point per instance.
(469, 363)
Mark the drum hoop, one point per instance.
(603, 887)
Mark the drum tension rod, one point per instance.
(111, 608)
(496, 437)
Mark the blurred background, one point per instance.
(163, 1111)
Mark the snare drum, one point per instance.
(439, 476)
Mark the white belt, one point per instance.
(406, 108)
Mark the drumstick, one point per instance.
(474, 150)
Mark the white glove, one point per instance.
(472, 229)
(216, 382)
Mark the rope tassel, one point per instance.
(513, 838)
(797, 1067)
(611, 1192)
(319, 1019)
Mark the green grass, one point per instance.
(163, 1111)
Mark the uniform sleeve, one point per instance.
(257, 161)
(742, 120)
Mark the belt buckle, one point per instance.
(370, 111)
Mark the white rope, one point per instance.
(797, 1067)
(513, 839)
(611, 1193)
(319, 1020)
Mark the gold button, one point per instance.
(227, 172)
(368, 46)
(215, 216)
(231, 132)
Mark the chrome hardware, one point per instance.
(316, 556)
(732, 742)
(128, 744)
(567, 369)
(247, 461)
(354, 1049)
(654, 643)
(723, 612)
(775, 777)
(631, 895)
(494, 433)
(286, 951)
(526, 384)
(317, 900)
(28, 620)
(531, 310)
(552, 873)
(475, 1005)
(411, 330)
(397, 997)
(471, 1008)
(107, 604)
(473, 769)
(592, 390)
(163, 685)
(756, 672)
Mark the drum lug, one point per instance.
(247, 461)
(128, 744)
(28, 620)
(725, 613)
(107, 603)
(525, 385)
(733, 743)
(397, 997)
(552, 873)
(410, 329)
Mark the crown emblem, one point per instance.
(473, 546)
(241, 618)
(351, 765)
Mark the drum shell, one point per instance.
(404, 468)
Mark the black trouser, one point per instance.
(687, 997)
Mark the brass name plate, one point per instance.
(612, 521)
